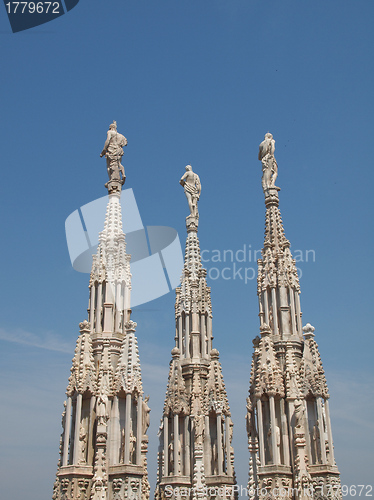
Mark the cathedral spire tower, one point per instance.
(195, 454)
(288, 421)
(103, 444)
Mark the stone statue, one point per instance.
(192, 188)
(316, 436)
(199, 429)
(102, 409)
(249, 418)
(145, 415)
(113, 151)
(299, 415)
(171, 453)
(82, 444)
(132, 447)
(269, 164)
(269, 444)
(122, 452)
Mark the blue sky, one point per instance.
(196, 82)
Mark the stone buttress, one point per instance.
(288, 419)
(104, 444)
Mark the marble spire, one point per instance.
(288, 420)
(195, 456)
(104, 443)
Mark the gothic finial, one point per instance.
(269, 163)
(192, 188)
(308, 330)
(113, 152)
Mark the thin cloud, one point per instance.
(49, 341)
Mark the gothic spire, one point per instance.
(196, 430)
(291, 445)
(104, 442)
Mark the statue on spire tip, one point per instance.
(269, 163)
(113, 152)
(192, 188)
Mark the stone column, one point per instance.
(207, 448)
(261, 309)
(203, 336)
(293, 315)
(285, 311)
(139, 430)
(90, 449)
(92, 307)
(228, 446)
(329, 433)
(108, 309)
(275, 310)
(285, 438)
(187, 462)
(166, 446)
(98, 307)
(127, 428)
(65, 458)
(260, 424)
(291, 413)
(307, 433)
(180, 334)
(176, 444)
(219, 444)
(298, 314)
(115, 432)
(78, 414)
(117, 306)
(266, 305)
(321, 430)
(273, 431)
(209, 333)
(187, 334)
(127, 304)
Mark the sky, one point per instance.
(189, 82)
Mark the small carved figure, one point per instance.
(132, 447)
(113, 151)
(82, 444)
(199, 429)
(192, 188)
(269, 445)
(145, 415)
(161, 427)
(299, 414)
(250, 419)
(269, 164)
(102, 409)
(122, 452)
(171, 453)
(214, 458)
(316, 436)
